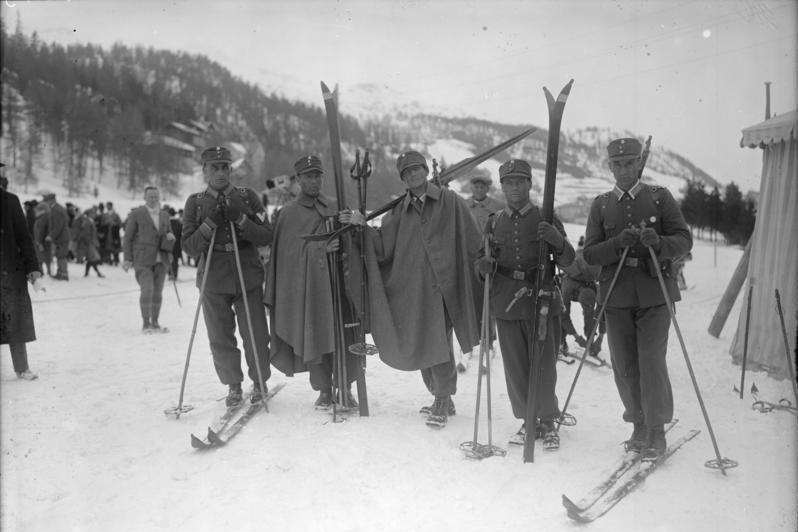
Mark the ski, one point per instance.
(220, 423)
(592, 360)
(331, 110)
(219, 439)
(545, 275)
(635, 477)
(622, 465)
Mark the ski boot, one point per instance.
(234, 395)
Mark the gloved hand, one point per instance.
(32, 276)
(549, 233)
(334, 245)
(485, 265)
(627, 238)
(215, 217)
(235, 208)
(650, 238)
(126, 265)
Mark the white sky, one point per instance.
(689, 73)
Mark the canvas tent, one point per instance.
(774, 248)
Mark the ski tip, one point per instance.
(324, 88)
(198, 443)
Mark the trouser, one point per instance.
(515, 340)
(322, 371)
(221, 312)
(441, 379)
(19, 356)
(638, 339)
(61, 266)
(151, 280)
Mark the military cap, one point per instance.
(515, 168)
(409, 159)
(620, 149)
(309, 163)
(216, 154)
(481, 179)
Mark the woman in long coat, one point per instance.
(87, 245)
(18, 265)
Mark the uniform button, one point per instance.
(629, 215)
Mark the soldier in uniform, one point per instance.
(515, 235)
(480, 204)
(59, 236)
(637, 216)
(212, 211)
(301, 312)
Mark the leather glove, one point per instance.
(485, 265)
(627, 238)
(650, 238)
(549, 233)
(235, 208)
(215, 217)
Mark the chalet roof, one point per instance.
(779, 128)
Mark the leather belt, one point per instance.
(518, 275)
(228, 248)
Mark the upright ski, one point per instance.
(630, 481)
(624, 464)
(542, 294)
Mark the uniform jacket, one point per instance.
(415, 264)
(255, 231)
(298, 291)
(17, 260)
(609, 215)
(482, 209)
(141, 241)
(515, 246)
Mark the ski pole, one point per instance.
(787, 347)
(179, 409)
(255, 353)
(589, 343)
(174, 283)
(745, 342)
(718, 463)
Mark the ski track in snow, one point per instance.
(87, 446)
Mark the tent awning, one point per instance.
(776, 129)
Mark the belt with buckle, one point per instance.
(518, 275)
(634, 262)
(229, 248)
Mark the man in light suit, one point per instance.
(147, 247)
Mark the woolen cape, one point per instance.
(415, 264)
(298, 290)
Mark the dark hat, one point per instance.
(481, 179)
(309, 163)
(515, 168)
(620, 149)
(216, 154)
(409, 159)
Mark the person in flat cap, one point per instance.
(515, 234)
(625, 223)
(59, 234)
(298, 290)
(422, 285)
(231, 219)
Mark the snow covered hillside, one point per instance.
(87, 446)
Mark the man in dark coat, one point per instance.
(515, 235)
(421, 282)
(19, 266)
(208, 215)
(298, 291)
(59, 235)
(148, 235)
(638, 217)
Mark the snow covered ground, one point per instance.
(87, 446)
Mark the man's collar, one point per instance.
(433, 192)
(215, 193)
(309, 201)
(522, 211)
(632, 191)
